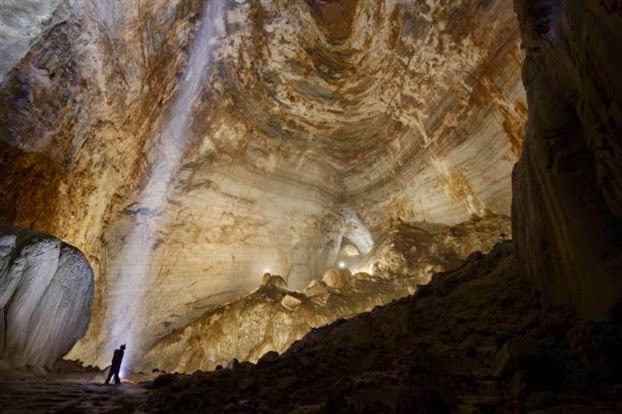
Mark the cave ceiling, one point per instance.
(370, 85)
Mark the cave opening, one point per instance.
(324, 205)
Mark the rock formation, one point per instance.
(46, 292)
(190, 146)
(473, 340)
(568, 184)
(272, 318)
(301, 125)
(269, 319)
(21, 22)
(418, 250)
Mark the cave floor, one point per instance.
(66, 393)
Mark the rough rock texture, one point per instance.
(418, 250)
(337, 278)
(474, 340)
(21, 22)
(568, 184)
(294, 123)
(46, 292)
(273, 317)
(268, 320)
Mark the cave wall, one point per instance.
(81, 118)
(567, 207)
(407, 110)
(76, 120)
(455, 108)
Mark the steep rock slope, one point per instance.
(567, 208)
(474, 340)
(418, 250)
(269, 319)
(46, 292)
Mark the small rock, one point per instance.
(233, 364)
(363, 276)
(274, 281)
(268, 358)
(163, 380)
(316, 288)
(290, 302)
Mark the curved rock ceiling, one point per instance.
(309, 118)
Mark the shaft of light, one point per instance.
(130, 275)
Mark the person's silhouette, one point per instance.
(115, 367)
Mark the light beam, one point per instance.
(130, 275)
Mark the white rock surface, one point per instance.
(21, 22)
(46, 292)
(290, 302)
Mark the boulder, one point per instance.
(276, 281)
(318, 292)
(46, 292)
(268, 358)
(337, 278)
(316, 288)
(290, 302)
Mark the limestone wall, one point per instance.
(567, 186)
(410, 110)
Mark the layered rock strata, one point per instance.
(273, 317)
(46, 292)
(568, 184)
(408, 110)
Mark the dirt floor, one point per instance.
(77, 392)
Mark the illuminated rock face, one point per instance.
(46, 292)
(568, 184)
(272, 318)
(305, 134)
(269, 319)
(418, 250)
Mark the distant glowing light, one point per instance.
(267, 270)
(342, 265)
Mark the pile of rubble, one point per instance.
(473, 340)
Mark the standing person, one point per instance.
(115, 367)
